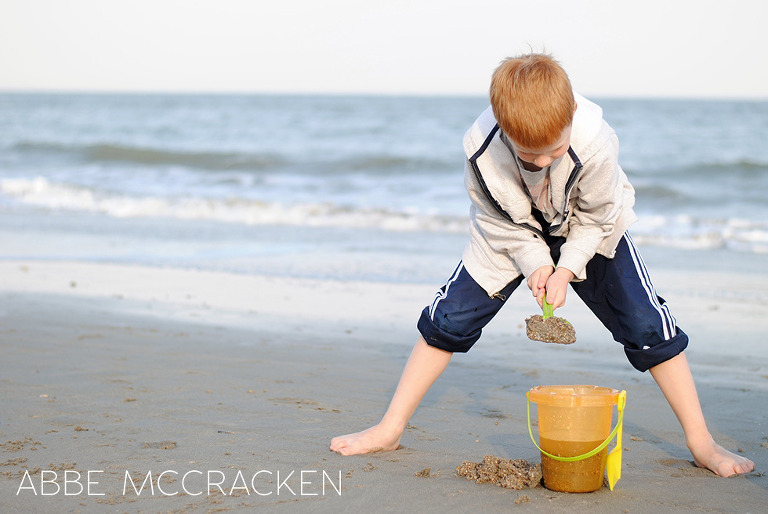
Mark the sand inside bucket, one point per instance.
(581, 476)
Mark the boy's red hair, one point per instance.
(532, 100)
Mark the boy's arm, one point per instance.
(599, 203)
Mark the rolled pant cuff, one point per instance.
(439, 338)
(643, 360)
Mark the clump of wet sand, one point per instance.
(508, 473)
(550, 330)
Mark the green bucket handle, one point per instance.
(592, 453)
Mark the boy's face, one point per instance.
(543, 157)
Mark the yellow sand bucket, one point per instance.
(574, 433)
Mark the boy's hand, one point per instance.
(557, 286)
(537, 282)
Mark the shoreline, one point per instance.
(131, 369)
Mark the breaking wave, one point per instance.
(677, 231)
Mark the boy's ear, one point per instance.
(575, 106)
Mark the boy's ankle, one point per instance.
(392, 426)
(700, 442)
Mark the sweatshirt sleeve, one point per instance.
(598, 197)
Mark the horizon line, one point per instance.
(362, 94)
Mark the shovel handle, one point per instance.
(547, 308)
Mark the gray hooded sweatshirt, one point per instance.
(590, 192)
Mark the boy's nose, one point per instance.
(542, 161)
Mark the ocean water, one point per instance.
(343, 187)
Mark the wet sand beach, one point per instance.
(226, 389)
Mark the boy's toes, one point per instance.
(338, 444)
(745, 467)
(737, 465)
(724, 463)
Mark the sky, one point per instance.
(610, 48)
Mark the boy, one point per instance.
(550, 203)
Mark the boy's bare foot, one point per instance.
(374, 439)
(714, 457)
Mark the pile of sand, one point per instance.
(508, 473)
